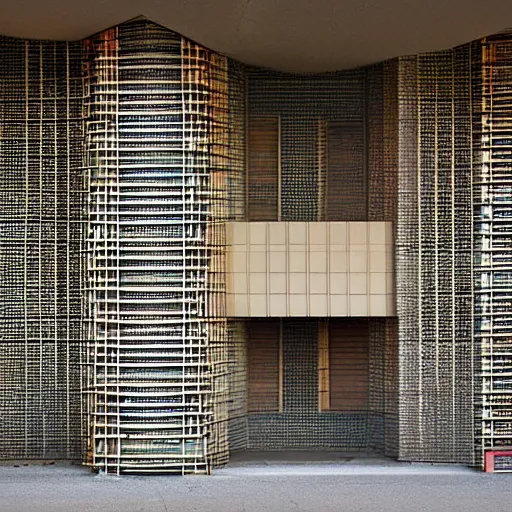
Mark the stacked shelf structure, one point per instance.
(149, 195)
(493, 252)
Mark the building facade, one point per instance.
(200, 257)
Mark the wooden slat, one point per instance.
(263, 366)
(323, 366)
(263, 169)
(348, 364)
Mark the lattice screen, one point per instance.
(293, 121)
(40, 242)
(159, 160)
(434, 257)
(160, 139)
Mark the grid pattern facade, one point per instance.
(434, 257)
(382, 162)
(226, 170)
(121, 159)
(41, 152)
(325, 148)
(300, 425)
(383, 386)
(306, 108)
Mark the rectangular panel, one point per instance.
(434, 259)
(263, 365)
(348, 358)
(323, 366)
(310, 269)
(263, 168)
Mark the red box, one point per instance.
(489, 458)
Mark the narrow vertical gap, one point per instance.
(323, 366)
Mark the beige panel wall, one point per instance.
(317, 269)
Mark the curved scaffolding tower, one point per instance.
(152, 246)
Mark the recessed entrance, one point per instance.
(320, 385)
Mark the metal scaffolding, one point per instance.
(150, 186)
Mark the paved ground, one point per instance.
(272, 484)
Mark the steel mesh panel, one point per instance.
(164, 148)
(300, 365)
(40, 236)
(213, 74)
(237, 90)
(299, 169)
(226, 341)
(346, 173)
(307, 431)
(391, 387)
(493, 246)
(375, 106)
(382, 162)
(376, 383)
(227, 424)
(433, 248)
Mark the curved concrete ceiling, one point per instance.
(290, 35)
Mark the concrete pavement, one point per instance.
(348, 484)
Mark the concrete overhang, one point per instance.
(288, 35)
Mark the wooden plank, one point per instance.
(349, 364)
(263, 161)
(263, 366)
(323, 367)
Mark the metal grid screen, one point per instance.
(161, 125)
(434, 257)
(324, 147)
(290, 166)
(40, 241)
(158, 141)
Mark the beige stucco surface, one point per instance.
(317, 269)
